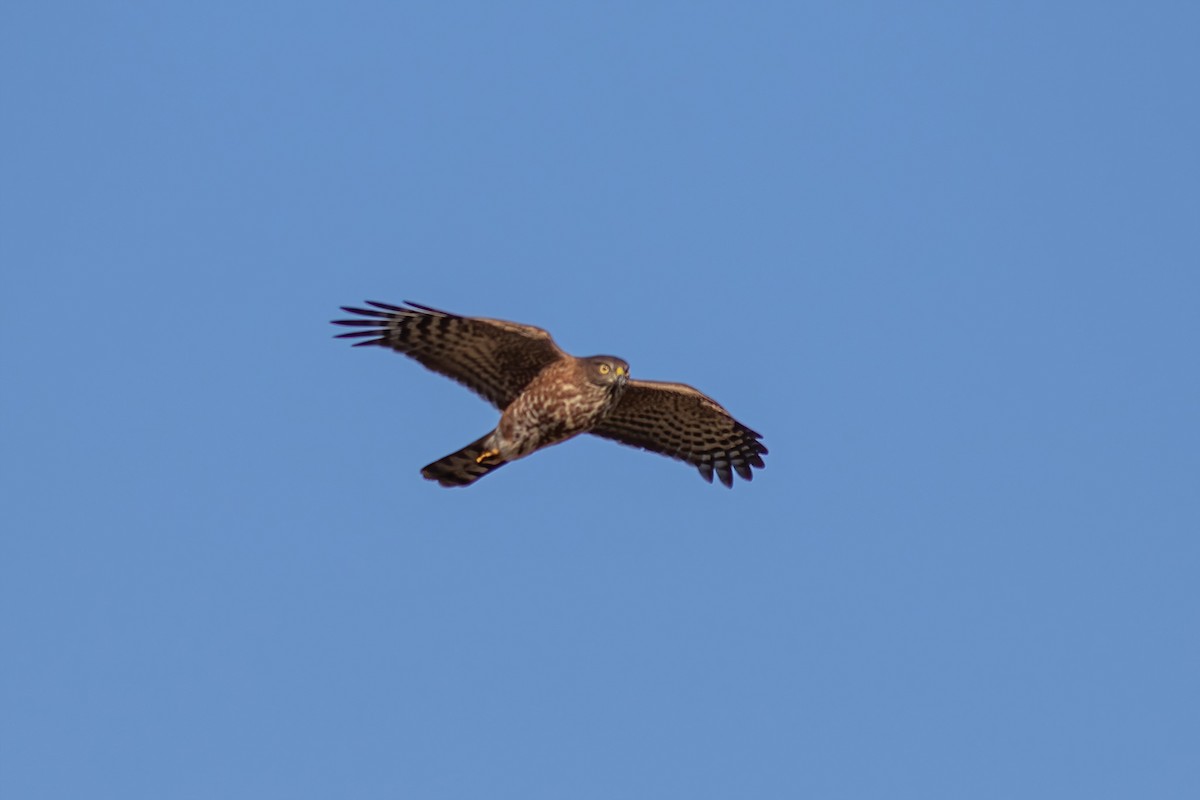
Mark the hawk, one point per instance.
(547, 396)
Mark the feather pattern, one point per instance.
(678, 421)
(491, 357)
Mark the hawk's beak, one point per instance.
(621, 372)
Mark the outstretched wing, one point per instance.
(680, 422)
(491, 357)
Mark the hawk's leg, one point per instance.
(485, 455)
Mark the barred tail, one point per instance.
(462, 468)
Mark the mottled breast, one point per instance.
(558, 404)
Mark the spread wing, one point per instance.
(680, 422)
(491, 357)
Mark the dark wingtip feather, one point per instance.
(725, 474)
(367, 312)
(428, 309)
(360, 323)
(386, 307)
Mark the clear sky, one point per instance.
(944, 256)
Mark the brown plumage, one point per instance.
(547, 396)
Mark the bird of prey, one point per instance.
(547, 396)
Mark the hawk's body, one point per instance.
(547, 396)
(556, 405)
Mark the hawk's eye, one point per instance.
(604, 369)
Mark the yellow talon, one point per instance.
(485, 455)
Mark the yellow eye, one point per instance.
(604, 369)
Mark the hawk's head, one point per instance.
(607, 371)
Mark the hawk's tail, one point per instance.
(464, 467)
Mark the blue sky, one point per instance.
(945, 257)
